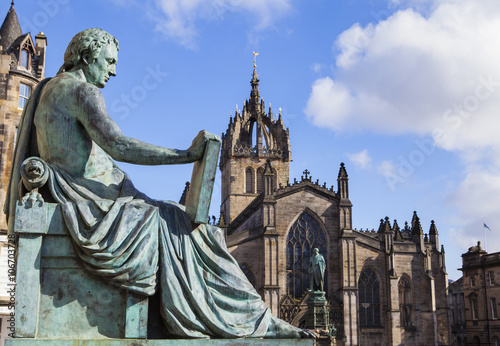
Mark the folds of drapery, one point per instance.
(144, 245)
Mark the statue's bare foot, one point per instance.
(307, 333)
(31, 198)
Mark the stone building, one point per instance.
(456, 302)
(481, 289)
(22, 67)
(383, 287)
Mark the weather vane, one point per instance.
(254, 59)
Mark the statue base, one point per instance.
(170, 342)
(317, 318)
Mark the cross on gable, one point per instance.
(306, 173)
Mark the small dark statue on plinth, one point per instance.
(317, 310)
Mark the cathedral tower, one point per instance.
(252, 139)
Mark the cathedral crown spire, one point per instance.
(254, 94)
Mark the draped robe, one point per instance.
(145, 246)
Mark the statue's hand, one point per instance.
(198, 146)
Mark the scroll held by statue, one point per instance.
(202, 183)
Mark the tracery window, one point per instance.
(369, 299)
(304, 235)
(249, 180)
(405, 301)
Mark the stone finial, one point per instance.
(416, 227)
(433, 229)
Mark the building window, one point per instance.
(405, 301)
(260, 180)
(369, 299)
(460, 305)
(493, 304)
(24, 94)
(491, 278)
(472, 281)
(473, 307)
(304, 235)
(249, 180)
(454, 307)
(24, 59)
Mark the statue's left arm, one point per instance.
(106, 133)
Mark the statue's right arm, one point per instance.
(105, 132)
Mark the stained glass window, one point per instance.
(369, 299)
(304, 235)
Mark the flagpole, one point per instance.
(485, 245)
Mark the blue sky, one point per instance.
(404, 92)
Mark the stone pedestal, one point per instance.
(171, 342)
(317, 319)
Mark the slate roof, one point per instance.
(10, 29)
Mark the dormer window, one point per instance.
(24, 59)
(26, 50)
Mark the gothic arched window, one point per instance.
(369, 299)
(249, 180)
(260, 180)
(405, 301)
(304, 235)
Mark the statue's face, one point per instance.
(103, 67)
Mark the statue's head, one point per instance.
(315, 251)
(97, 53)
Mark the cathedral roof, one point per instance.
(10, 29)
(305, 184)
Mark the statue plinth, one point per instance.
(317, 318)
(171, 342)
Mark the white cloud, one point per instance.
(428, 75)
(361, 159)
(177, 19)
(387, 169)
(477, 201)
(433, 72)
(317, 67)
